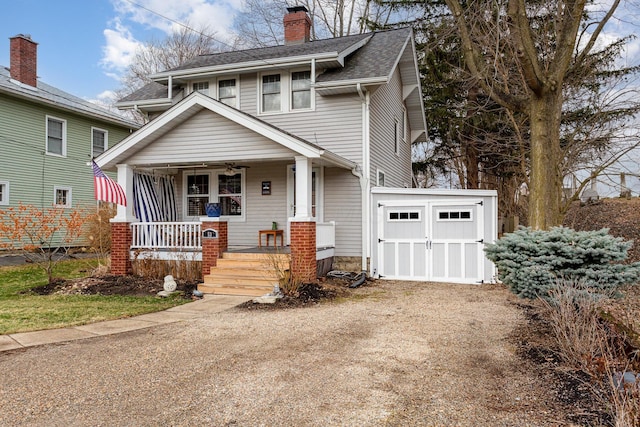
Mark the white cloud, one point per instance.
(120, 47)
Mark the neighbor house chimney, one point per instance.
(24, 58)
(297, 25)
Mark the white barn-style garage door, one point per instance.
(433, 235)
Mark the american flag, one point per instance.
(107, 189)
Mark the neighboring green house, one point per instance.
(47, 136)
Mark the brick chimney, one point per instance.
(297, 25)
(24, 58)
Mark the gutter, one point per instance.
(364, 174)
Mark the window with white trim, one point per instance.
(455, 215)
(404, 215)
(405, 125)
(62, 197)
(202, 87)
(4, 192)
(56, 136)
(230, 194)
(396, 136)
(227, 92)
(300, 90)
(271, 93)
(198, 190)
(98, 141)
(380, 178)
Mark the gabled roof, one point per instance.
(48, 95)
(197, 102)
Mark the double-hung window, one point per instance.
(56, 136)
(300, 90)
(271, 93)
(202, 87)
(230, 194)
(227, 92)
(98, 141)
(197, 194)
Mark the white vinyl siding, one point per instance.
(56, 136)
(99, 141)
(4, 193)
(386, 130)
(342, 204)
(207, 135)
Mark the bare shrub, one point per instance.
(98, 230)
(182, 265)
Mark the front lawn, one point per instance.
(22, 310)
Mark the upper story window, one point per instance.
(98, 141)
(300, 90)
(62, 197)
(227, 92)
(201, 87)
(4, 192)
(271, 93)
(56, 136)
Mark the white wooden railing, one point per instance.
(166, 235)
(326, 234)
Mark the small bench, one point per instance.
(274, 233)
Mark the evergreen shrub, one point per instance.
(530, 262)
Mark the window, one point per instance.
(396, 136)
(62, 196)
(4, 192)
(202, 87)
(230, 194)
(300, 90)
(404, 216)
(227, 92)
(271, 93)
(405, 125)
(380, 178)
(56, 136)
(98, 141)
(197, 194)
(458, 215)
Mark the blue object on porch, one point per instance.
(212, 209)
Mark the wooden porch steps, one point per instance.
(252, 274)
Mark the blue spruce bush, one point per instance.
(530, 261)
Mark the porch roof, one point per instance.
(197, 102)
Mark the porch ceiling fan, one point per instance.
(232, 169)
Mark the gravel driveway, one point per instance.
(396, 354)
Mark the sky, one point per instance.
(85, 45)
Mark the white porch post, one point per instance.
(303, 189)
(125, 179)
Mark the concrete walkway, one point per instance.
(199, 308)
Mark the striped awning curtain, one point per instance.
(146, 204)
(167, 198)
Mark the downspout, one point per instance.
(363, 175)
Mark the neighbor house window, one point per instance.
(98, 141)
(4, 192)
(230, 194)
(62, 197)
(227, 92)
(201, 87)
(271, 93)
(56, 136)
(197, 194)
(300, 90)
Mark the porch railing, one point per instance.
(326, 234)
(166, 235)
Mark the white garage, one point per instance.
(433, 235)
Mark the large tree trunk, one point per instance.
(546, 159)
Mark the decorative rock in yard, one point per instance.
(170, 284)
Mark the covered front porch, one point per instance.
(202, 152)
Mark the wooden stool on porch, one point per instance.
(274, 233)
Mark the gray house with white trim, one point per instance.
(289, 134)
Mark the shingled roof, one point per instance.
(49, 95)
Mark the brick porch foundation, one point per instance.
(120, 244)
(303, 251)
(212, 248)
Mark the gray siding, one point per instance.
(209, 136)
(386, 107)
(343, 204)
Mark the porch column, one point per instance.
(213, 247)
(303, 251)
(304, 170)
(121, 225)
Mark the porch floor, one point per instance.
(261, 250)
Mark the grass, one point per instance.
(24, 311)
